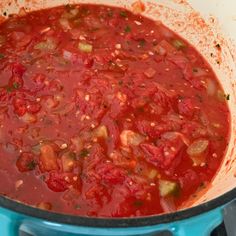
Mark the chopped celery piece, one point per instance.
(167, 187)
(47, 45)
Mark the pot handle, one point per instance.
(9, 223)
(201, 225)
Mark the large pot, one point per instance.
(203, 24)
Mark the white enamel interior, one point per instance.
(203, 23)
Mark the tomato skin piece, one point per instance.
(26, 162)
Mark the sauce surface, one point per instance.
(105, 113)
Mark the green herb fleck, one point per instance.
(178, 44)
(202, 185)
(138, 203)
(127, 29)
(120, 82)
(16, 85)
(72, 155)
(68, 7)
(84, 11)
(123, 14)
(218, 46)
(140, 109)
(110, 13)
(42, 177)
(9, 89)
(77, 207)
(154, 43)
(84, 153)
(199, 98)
(129, 172)
(142, 42)
(2, 55)
(227, 96)
(31, 165)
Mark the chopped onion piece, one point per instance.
(197, 72)
(65, 109)
(48, 158)
(128, 137)
(65, 24)
(150, 72)
(168, 205)
(152, 174)
(44, 205)
(211, 87)
(45, 30)
(28, 118)
(77, 143)
(220, 95)
(198, 147)
(68, 160)
(67, 55)
(173, 135)
(101, 132)
(85, 47)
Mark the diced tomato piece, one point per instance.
(183, 63)
(164, 98)
(19, 106)
(3, 95)
(113, 131)
(18, 69)
(57, 182)
(111, 174)
(55, 86)
(39, 79)
(165, 153)
(33, 107)
(26, 162)
(186, 107)
(189, 180)
(88, 62)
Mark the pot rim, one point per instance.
(75, 220)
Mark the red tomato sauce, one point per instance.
(105, 113)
